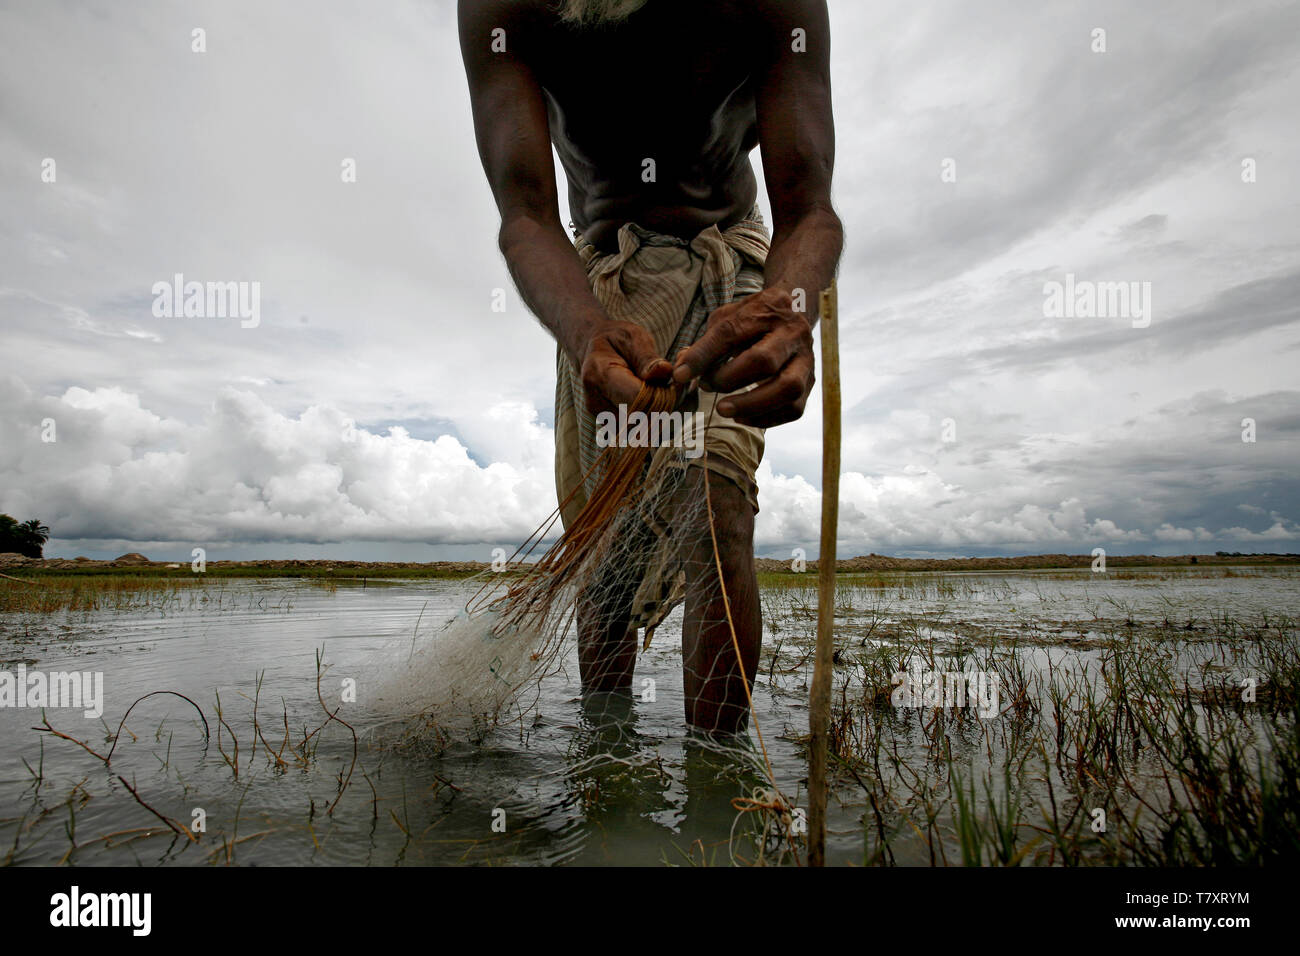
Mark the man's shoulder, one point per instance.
(786, 11)
(490, 27)
(505, 13)
(542, 13)
(519, 26)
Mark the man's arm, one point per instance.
(766, 340)
(797, 138)
(514, 144)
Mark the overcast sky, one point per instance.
(382, 409)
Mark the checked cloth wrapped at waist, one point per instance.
(669, 286)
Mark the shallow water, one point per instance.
(570, 786)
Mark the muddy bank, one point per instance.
(139, 564)
(880, 562)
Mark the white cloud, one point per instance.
(247, 472)
(377, 295)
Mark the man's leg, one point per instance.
(606, 641)
(716, 699)
(606, 649)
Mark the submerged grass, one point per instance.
(341, 570)
(1170, 739)
(1156, 744)
(46, 594)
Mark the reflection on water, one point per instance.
(618, 780)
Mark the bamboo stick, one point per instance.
(819, 703)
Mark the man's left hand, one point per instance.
(759, 338)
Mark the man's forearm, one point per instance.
(550, 277)
(806, 256)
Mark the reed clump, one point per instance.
(47, 594)
(1147, 749)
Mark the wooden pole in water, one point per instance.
(819, 703)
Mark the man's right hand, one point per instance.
(620, 357)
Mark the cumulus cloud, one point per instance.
(383, 400)
(244, 472)
(919, 514)
(248, 473)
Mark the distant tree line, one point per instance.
(27, 539)
(1256, 554)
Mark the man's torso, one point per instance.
(654, 117)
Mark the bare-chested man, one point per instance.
(684, 89)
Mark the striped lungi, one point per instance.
(669, 286)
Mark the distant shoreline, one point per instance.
(140, 565)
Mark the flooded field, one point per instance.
(1144, 717)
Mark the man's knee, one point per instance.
(729, 517)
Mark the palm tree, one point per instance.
(38, 531)
(28, 538)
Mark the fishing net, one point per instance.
(660, 529)
(646, 541)
(641, 545)
(653, 533)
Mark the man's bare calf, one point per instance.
(715, 693)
